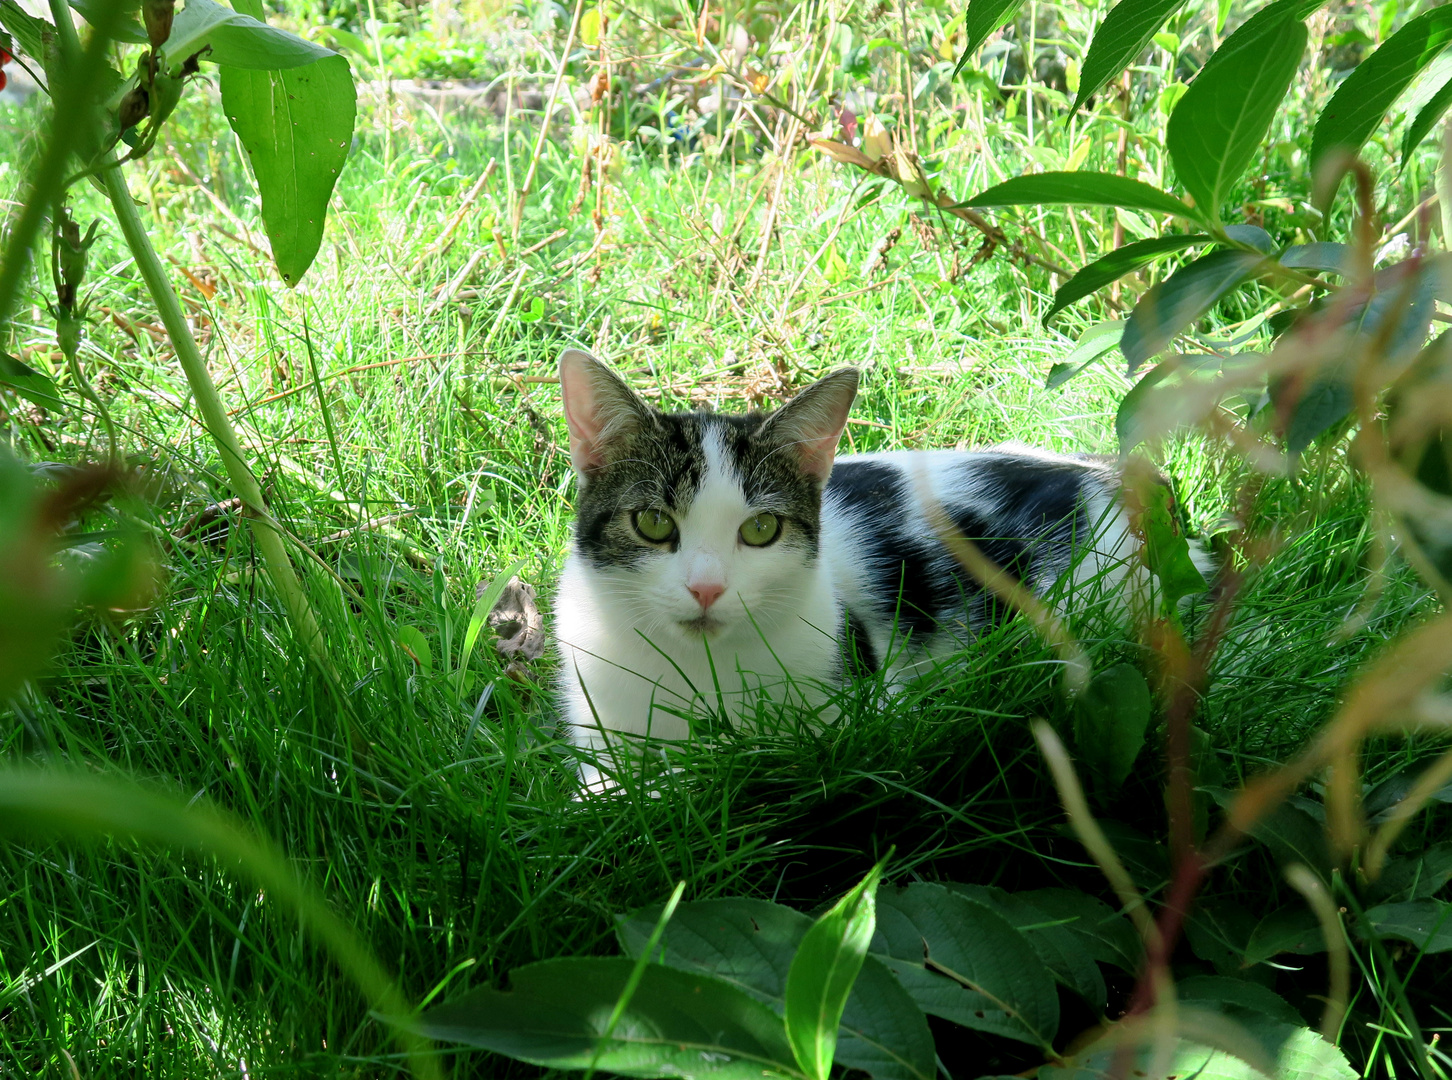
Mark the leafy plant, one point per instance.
(720, 991)
(291, 103)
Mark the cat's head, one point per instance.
(699, 522)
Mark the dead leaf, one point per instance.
(517, 622)
(848, 155)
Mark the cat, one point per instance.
(717, 556)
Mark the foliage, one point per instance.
(397, 411)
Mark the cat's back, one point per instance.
(1034, 513)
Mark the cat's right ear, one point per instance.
(601, 411)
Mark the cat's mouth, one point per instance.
(702, 624)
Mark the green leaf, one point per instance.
(1092, 344)
(34, 387)
(1361, 102)
(1127, 426)
(297, 128)
(1324, 405)
(1116, 264)
(1322, 255)
(1426, 924)
(981, 19)
(125, 28)
(1110, 720)
(750, 944)
(1106, 935)
(1293, 929)
(1061, 950)
(27, 30)
(822, 973)
(677, 1023)
(1166, 550)
(965, 963)
(1415, 876)
(412, 639)
(1217, 127)
(1121, 37)
(1081, 188)
(1175, 303)
(1301, 1055)
(1382, 800)
(1252, 236)
(1218, 932)
(1292, 833)
(1427, 116)
(1238, 994)
(236, 39)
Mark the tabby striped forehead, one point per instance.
(676, 457)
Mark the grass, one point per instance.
(401, 412)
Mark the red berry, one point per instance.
(2, 79)
(5, 58)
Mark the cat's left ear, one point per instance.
(601, 411)
(812, 422)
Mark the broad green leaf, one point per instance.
(1092, 344)
(1238, 994)
(1362, 101)
(1427, 116)
(125, 29)
(1382, 800)
(1252, 236)
(1121, 37)
(24, 27)
(1217, 127)
(1166, 550)
(1414, 876)
(1218, 932)
(297, 128)
(1084, 188)
(1301, 1055)
(822, 973)
(1127, 426)
(1426, 924)
(965, 963)
(1116, 264)
(32, 385)
(1322, 255)
(1295, 832)
(981, 19)
(1106, 935)
(750, 944)
(1293, 929)
(412, 639)
(1062, 951)
(1111, 717)
(1325, 404)
(677, 1023)
(236, 39)
(1175, 303)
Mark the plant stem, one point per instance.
(83, 80)
(266, 530)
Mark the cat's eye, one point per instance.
(655, 525)
(760, 530)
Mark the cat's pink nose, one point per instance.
(706, 594)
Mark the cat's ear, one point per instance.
(600, 410)
(812, 422)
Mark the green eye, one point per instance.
(760, 530)
(655, 525)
